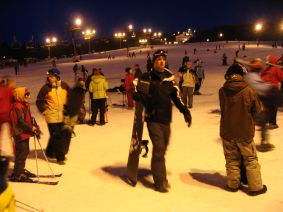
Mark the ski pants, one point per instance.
(188, 96)
(98, 105)
(198, 85)
(129, 94)
(159, 135)
(22, 151)
(234, 153)
(56, 147)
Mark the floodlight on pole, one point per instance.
(75, 26)
(120, 36)
(49, 42)
(88, 34)
(258, 28)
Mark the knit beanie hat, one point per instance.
(54, 71)
(236, 68)
(158, 53)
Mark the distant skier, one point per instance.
(129, 78)
(198, 69)
(162, 90)
(16, 67)
(138, 72)
(189, 80)
(224, 59)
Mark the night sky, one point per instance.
(23, 18)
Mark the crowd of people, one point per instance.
(250, 95)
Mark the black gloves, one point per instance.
(188, 117)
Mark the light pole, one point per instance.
(49, 42)
(88, 35)
(147, 32)
(76, 26)
(143, 41)
(120, 36)
(258, 28)
(157, 35)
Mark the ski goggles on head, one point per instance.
(160, 53)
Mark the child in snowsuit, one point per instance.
(22, 130)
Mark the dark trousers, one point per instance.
(55, 147)
(188, 96)
(159, 135)
(22, 151)
(270, 104)
(198, 85)
(98, 105)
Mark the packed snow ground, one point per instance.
(94, 175)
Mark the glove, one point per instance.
(37, 133)
(188, 117)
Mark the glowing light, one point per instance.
(258, 27)
(78, 21)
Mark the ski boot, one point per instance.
(4, 164)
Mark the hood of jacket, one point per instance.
(97, 78)
(19, 94)
(234, 84)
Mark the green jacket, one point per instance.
(98, 87)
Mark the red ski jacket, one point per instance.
(20, 117)
(6, 99)
(272, 75)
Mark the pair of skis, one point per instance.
(46, 176)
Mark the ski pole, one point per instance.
(46, 159)
(36, 162)
(29, 206)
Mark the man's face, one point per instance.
(51, 78)
(189, 64)
(159, 63)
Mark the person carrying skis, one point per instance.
(50, 102)
(239, 103)
(22, 130)
(158, 114)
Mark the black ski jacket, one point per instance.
(162, 90)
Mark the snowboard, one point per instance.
(137, 144)
(71, 111)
